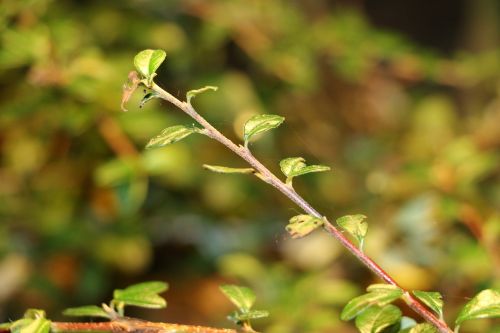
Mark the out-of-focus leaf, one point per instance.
(192, 93)
(242, 297)
(486, 304)
(302, 225)
(378, 294)
(223, 169)
(39, 325)
(34, 313)
(170, 135)
(355, 225)
(129, 88)
(259, 124)
(86, 311)
(374, 319)
(296, 166)
(432, 299)
(147, 62)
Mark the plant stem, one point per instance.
(288, 191)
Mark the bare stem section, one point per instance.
(270, 178)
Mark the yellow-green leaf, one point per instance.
(296, 166)
(86, 311)
(147, 62)
(355, 225)
(375, 318)
(259, 124)
(192, 93)
(432, 299)
(378, 294)
(170, 135)
(486, 304)
(39, 325)
(423, 328)
(242, 297)
(223, 169)
(302, 225)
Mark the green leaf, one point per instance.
(432, 299)
(170, 135)
(34, 314)
(192, 93)
(302, 225)
(378, 294)
(86, 311)
(143, 294)
(20, 324)
(223, 169)
(242, 297)
(259, 124)
(355, 226)
(150, 287)
(147, 62)
(486, 304)
(296, 166)
(39, 325)
(238, 317)
(423, 328)
(5, 326)
(375, 318)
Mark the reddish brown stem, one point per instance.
(267, 176)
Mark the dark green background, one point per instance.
(400, 98)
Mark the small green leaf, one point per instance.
(375, 318)
(242, 297)
(39, 325)
(432, 299)
(378, 294)
(34, 314)
(18, 325)
(486, 304)
(302, 225)
(170, 135)
(259, 124)
(296, 166)
(143, 294)
(147, 62)
(423, 328)
(355, 226)
(223, 169)
(238, 317)
(192, 93)
(147, 98)
(86, 311)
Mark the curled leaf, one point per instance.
(296, 166)
(355, 225)
(170, 135)
(147, 98)
(303, 225)
(259, 124)
(147, 62)
(223, 169)
(129, 88)
(192, 93)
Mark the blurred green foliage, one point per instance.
(412, 135)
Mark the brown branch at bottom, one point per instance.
(130, 325)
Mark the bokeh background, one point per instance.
(401, 98)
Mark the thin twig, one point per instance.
(270, 178)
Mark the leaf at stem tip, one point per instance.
(259, 124)
(223, 169)
(355, 225)
(486, 304)
(147, 62)
(170, 135)
(302, 225)
(378, 294)
(129, 88)
(86, 311)
(192, 93)
(432, 299)
(375, 318)
(242, 297)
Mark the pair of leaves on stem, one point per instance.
(243, 298)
